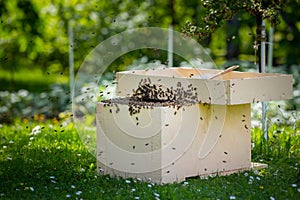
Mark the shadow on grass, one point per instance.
(44, 173)
(15, 85)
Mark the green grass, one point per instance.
(55, 165)
(34, 80)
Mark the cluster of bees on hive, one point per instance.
(147, 95)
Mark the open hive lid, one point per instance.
(229, 89)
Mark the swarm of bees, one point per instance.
(148, 95)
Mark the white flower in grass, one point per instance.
(78, 192)
(149, 186)
(232, 197)
(52, 177)
(36, 130)
(136, 197)
(133, 190)
(258, 178)
(294, 185)
(298, 189)
(32, 189)
(156, 194)
(73, 186)
(11, 142)
(246, 174)
(9, 158)
(127, 181)
(185, 183)
(272, 198)
(68, 195)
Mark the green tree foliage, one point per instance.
(217, 12)
(283, 15)
(33, 33)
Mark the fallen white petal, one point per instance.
(127, 181)
(156, 194)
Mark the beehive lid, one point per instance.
(229, 89)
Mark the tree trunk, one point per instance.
(232, 39)
(259, 19)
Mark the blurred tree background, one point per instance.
(34, 33)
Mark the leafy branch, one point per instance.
(217, 12)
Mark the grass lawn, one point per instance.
(53, 164)
(34, 80)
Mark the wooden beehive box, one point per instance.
(167, 143)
